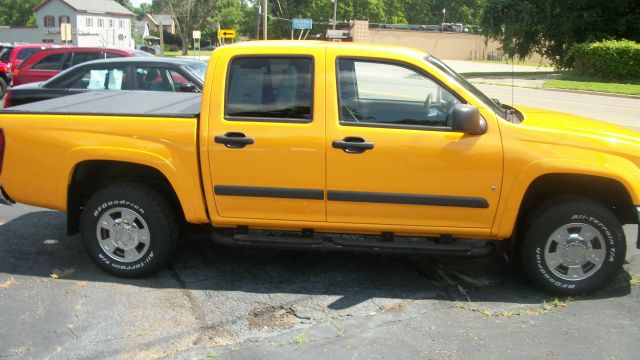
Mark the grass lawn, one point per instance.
(506, 73)
(572, 81)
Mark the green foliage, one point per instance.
(126, 3)
(617, 60)
(551, 27)
(415, 12)
(18, 12)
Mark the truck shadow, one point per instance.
(352, 278)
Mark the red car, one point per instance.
(45, 64)
(11, 56)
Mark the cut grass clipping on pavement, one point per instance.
(576, 82)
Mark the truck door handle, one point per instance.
(234, 140)
(353, 145)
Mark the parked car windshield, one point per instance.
(199, 69)
(497, 108)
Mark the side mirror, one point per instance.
(466, 119)
(187, 87)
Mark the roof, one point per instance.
(161, 19)
(140, 27)
(148, 60)
(323, 44)
(92, 6)
(90, 49)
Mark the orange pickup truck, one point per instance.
(329, 146)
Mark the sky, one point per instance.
(137, 3)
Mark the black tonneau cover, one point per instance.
(124, 103)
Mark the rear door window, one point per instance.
(80, 57)
(50, 62)
(111, 78)
(270, 88)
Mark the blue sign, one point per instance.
(302, 24)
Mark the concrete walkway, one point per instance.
(464, 66)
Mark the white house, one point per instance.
(93, 23)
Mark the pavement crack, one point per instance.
(73, 333)
(196, 308)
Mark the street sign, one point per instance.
(65, 32)
(196, 34)
(227, 34)
(337, 34)
(302, 24)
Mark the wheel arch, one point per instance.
(609, 192)
(89, 176)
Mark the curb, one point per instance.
(584, 92)
(597, 93)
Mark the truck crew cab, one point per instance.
(295, 144)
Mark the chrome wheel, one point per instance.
(123, 234)
(575, 251)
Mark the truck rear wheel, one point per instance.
(573, 246)
(129, 229)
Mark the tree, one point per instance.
(142, 10)
(551, 27)
(18, 12)
(126, 3)
(188, 15)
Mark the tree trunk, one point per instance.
(185, 42)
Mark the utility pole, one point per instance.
(264, 20)
(258, 22)
(444, 12)
(335, 10)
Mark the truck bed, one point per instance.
(125, 103)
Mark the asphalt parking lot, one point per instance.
(216, 302)
(241, 304)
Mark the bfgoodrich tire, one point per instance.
(573, 246)
(129, 229)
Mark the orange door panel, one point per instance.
(266, 150)
(402, 164)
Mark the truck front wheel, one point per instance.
(573, 246)
(129, 229)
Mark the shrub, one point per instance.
(615, 60)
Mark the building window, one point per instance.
(110, 23)
(89, 22)
(49, 21)
(64, 20)
(100, 23)
(121, 23)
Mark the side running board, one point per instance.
(386, 243)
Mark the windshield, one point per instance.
(467, 85)
(198, 68)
